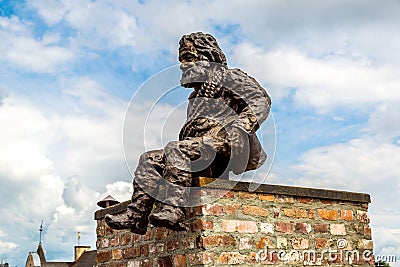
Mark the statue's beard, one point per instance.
(195, 74)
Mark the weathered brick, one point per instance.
(224, 193)
(100, 231)
(300, 243)
(160, 233)
(346, 215)
(180, 261)
(104, 243)
(172, 245)
(284, 227)
(132, 252)
(212, 209)
(365, 244)
(298, 213)
(246, 195)
(304, 200)
(144, 250)
(103, 256)
(164, 261)
(239, 226)
(267, 228)
(217, 240)
(202, 225)
(281, 242)
(303, 228)
(326, 201)
(246, 243)
(200, 258)
(115, 241)
(311, 214)
(321, 228)
(156, 248)
(338, 229)
(320, 242)
(283, 199)
(362, 216)
(232, 209)
(125, 239)
(188, 243)
(231, 258)
(266, 197)
(254, 210)
(277, 212)
(251, 258)
(263, 242)
(117, 254)
(146, 237)
(367, 231)
(328, 214)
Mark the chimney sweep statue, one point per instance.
(224, 111)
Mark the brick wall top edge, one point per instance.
(263, 188)
(284, 190)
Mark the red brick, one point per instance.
(200, 258)
(338, 229)
(144, 250)
(115, 241)
(298, 213)
(164, 261)
(282, 199)
(156, 248)
(320, 242)
(247, 195)
(367, 231)
(284, 227)
(224, 193)
(362, 216)
(325, 201)
(321, 228)
(231, 258)
(328, 214)
(346, 215)
(311, 214)
(266, 197)
(212, 209)
(202, 225)
(103, 256)
(263, 242)
(172, 245)
(239, 226)
(104, 242)
(251, 258)
(304, 200)
(254, 210)
(246, 243)
(160, 233)
(277, 212)
(180, 261)
(109, 231)
(217, 240)
(188, 243)
(365, 244)
(100, 231)
(232, 209)
(148, 236)
(132, 252)
(117, 254)
(125, 239)
(300, 243)
(303, 228)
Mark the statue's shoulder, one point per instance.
(239, 77)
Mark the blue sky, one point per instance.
(69, 69)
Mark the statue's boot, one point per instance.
(122, 222)
(170, 217)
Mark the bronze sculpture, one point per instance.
(225, 110)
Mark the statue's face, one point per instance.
(194, 70)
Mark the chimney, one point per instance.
(107, 202)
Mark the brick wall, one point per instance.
(274, 225)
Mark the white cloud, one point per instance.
(20, 50)
(323, 83)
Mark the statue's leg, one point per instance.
(178, 176)
(145, 186)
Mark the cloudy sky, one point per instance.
(69, 68)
